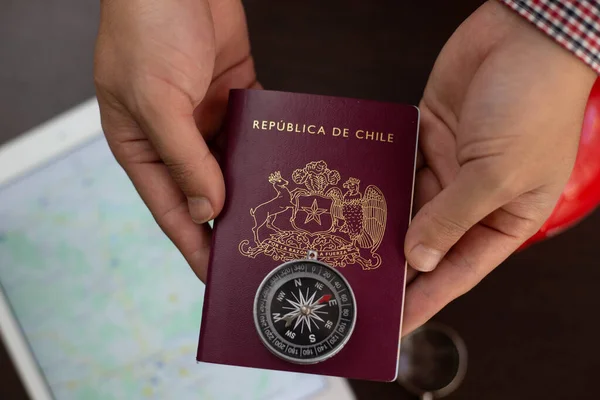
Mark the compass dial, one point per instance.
(304, 311)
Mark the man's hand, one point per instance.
(163, 71)
(501, 117)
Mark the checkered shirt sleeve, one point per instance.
(575, 24)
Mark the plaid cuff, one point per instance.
(575, 24)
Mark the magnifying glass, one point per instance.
(433, 361)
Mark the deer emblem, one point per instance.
(266, 213)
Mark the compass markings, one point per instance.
(288, 310)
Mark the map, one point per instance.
(110, 308)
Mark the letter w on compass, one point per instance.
(345, 227)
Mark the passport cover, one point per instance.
(344, 159)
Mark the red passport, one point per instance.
(307, 269)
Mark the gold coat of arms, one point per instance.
(344, 225)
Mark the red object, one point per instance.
(324, 299)
(582, 192)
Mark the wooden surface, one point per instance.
(530, 327)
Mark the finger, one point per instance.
(477, 254)
(411, 275)
(152, 180)
(420, 161)
(427, 187)
(167, 118)
(169, 207)
(480, 188)
(438, 144)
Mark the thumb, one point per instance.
(172, 129)
(475, 193)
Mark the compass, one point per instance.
(304, 311)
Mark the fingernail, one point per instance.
(200, 209)
(424, 259)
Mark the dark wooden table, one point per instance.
(531, 327)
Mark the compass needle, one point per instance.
(323, 299)
(290, 317)
(288, 322)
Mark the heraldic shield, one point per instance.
(313, 213)
(344, 226)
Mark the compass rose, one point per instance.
(305, 310)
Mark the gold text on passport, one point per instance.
(361, 134)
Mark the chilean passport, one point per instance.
(307, 269)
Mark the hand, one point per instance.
(163, 72)
(500, 123)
